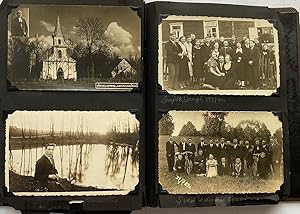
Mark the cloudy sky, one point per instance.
(122, 24)
(98, 122)
(182, 117)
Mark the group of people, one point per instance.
(216, 63)
(225, 158)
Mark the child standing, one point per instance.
(211, 167)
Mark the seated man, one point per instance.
(179, 165)
(45, 171)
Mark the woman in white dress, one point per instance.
(211, 167)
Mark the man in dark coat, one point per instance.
(276, 153)
(253, 62)
(170, 152)
(224, 168)
(172, 59)
(45, 171)
(226, 49)
(205, 52)
(202, 146)
(263, 166)
(191, 148)
(247, 155)
(19, 26)
(235, 151)
(224, 149)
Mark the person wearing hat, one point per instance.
(172, 60)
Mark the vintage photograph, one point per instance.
(218, 55)
(94, 48)
(50, 153)
(203, 152)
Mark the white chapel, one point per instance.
(58, 65)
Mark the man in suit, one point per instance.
(233, 42)
(276, 153)
(19, 26)
(224, 168)
(221, 41)
(247, 155)
(45, 171)
(235, 151)
(170, 152)
(191, 148)
(226, 49)
(172, 60)
(202, 146)
(205, 52)
(257, 148)
(253, 62)
(221, 63)
(224, 149)
(258, 44)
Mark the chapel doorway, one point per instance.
(60, 74)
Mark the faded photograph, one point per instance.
(74, 48)
(71, 153)
(220, 152)
(218, 55)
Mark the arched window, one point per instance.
(59, 54)
(59, 42)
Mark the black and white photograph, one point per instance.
(204, 152)
(86, 48)
(56, 153)
(218, 55)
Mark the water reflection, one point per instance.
(103, 166)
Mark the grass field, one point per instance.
(191, 184)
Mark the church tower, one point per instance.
(59, 65)
(59, 47)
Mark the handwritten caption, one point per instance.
(187, 99)
(183, 182)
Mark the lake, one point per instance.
(97, 165)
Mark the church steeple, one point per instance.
(57, 31)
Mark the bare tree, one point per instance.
(92, 32)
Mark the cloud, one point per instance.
(120, 41)
(49, 27)
(73, 30)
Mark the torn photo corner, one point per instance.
(218, 56)
(67, 153)
(206, 152)
(74, 47)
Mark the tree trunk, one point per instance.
(92, 63)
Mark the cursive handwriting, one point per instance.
(187, 99)
(185, 200)
(183, 182)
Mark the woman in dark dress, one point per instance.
(230, 73)
(197, 66)
(183, 76)
(238, 59)
(215, 78)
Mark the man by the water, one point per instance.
(45, 171)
